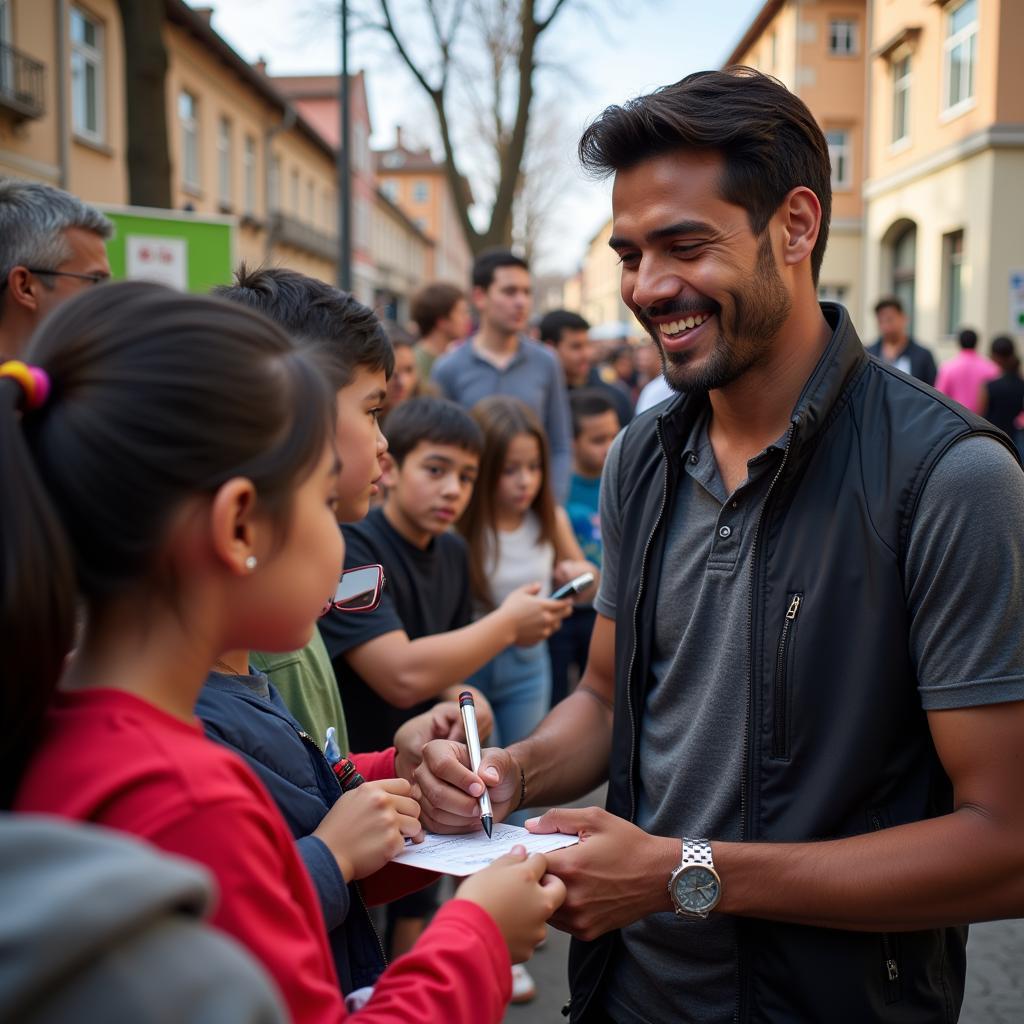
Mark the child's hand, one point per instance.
(534, 618)
(520, 897)
(367, 826)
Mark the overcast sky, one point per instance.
(613, 57)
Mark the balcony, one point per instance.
(21, 83)
(286, 230)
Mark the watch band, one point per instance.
(697, 851)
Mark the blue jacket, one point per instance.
(296, 773)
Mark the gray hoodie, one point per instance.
(98, 926)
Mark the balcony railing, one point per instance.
(286, 230)
(21, 83)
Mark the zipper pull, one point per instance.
(794, 607)
(892, 970)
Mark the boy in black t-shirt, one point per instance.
(418, 644)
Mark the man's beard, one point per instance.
(760, 305)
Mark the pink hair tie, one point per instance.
(34, 381)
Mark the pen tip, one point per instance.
(488, 824)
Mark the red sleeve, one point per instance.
(266, 900)
(458, 972)
(376, 764)
(394, 881)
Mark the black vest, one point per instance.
(836, 742)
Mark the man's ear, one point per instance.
(22, 288)
(236, 536)
(801, 222)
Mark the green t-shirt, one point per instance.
(305, 680)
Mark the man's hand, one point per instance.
(450, 792)
(442, 721)
(615, 876)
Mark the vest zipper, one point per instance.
(310, 742)
(890, 965)
(636, 613)
(780, 730)
(742, 1013)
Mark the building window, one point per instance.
(904, 268)
(842, 37)
(960, 54)
(249, 175)
(188, 115)
(274, 174)
(952, 262)
(295, 193)
(421, 191)
(224, 161)
(839, 155)
(773, 42)
(310, 199)
(390, 189)
(87, 82)
(6, 62)
(901, 99)
(832, 293)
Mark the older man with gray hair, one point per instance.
(51, 246)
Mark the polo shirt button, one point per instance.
(693, 458)
(725, 532)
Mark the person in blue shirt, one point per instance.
(595, 423)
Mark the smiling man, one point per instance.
(51, 247)
(808, 712)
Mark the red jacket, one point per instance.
(111, 758)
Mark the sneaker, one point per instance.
(523, 988)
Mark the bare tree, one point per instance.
(482, 54)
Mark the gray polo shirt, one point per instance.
(965, 640)
(534, 375)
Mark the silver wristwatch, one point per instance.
(694, 886)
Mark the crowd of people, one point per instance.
(805, 713)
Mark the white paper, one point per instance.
(466, 854)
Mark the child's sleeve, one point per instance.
(459, 972)
(375, 764)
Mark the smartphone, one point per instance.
(574, 587)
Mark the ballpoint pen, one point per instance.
(468, 709)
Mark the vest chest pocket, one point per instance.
(783, 668)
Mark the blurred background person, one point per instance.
(1001, 400)
(441, 314)
(962, 377)
(568, 336)
(894, 344)
(51, 247)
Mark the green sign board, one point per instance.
(189, 251)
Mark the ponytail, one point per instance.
(38, 586)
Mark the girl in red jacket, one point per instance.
(167, 462)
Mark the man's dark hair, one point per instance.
(434, 420)
(433, 302)
(558, 320)
(489, 261)
(769, 141)
(585, 402)
(888, 302)
(346, 333)
(968, 339)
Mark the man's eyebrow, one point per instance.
(683, 227)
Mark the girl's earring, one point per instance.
(251, 563)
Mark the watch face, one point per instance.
(696, 889)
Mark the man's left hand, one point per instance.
(616, 875)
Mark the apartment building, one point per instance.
(237, 146)
(944, 221)
(817, 48)
(418, 185)
(403, 254)
(599, 285)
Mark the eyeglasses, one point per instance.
(91, 278)
(359, 590)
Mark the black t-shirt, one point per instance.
(1005, 401)
(427, 592)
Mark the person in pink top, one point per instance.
(962, 377)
